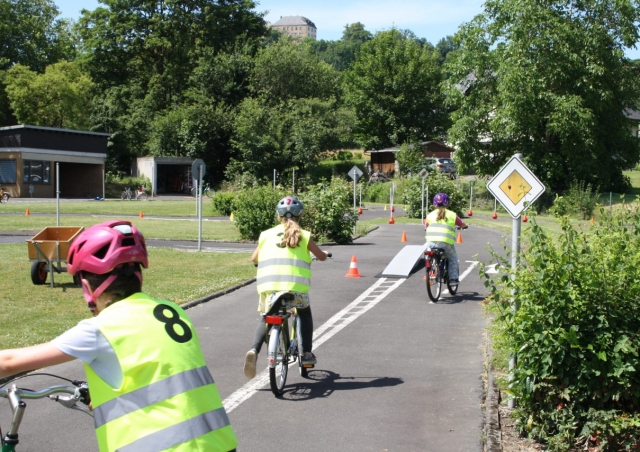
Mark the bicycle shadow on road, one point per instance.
(460, 297)
(323, 383)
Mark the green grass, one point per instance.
(30, 314)
(186, 208)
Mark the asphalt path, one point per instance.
(395, 372)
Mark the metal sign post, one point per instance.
(516, 187)
(198, 170)
(57, 194)
(274, 179)
(355, 173)
(423, 173)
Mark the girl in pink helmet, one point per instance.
(142, 356)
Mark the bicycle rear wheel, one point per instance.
(278, 373)
(142, 197)
(5, 197)
(434, 279)
(209, 193)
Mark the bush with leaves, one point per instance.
(408, 193)
(575, 332)
(255, 210)
(222, 202)
(580, 201)
(328, 211)
(377, 192)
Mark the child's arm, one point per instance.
(13, 361)
(317, 252)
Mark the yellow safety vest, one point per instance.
(443, 230)
(283, 268)
(168, 399)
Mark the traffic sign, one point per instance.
(423, 173)
(195, 169)
(515, 187)
(355, 173)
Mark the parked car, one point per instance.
(443, 165)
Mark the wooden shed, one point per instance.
(385, 159)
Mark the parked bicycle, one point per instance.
(437, 267)
(284, 344)
(4, 195)
(139, 195)
(206, 190)
(66, 395)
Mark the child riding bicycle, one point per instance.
(149, 382)
(441, 233)
(284, 266)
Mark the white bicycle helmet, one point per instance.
(289, 207)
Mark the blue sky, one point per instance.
(430, 19)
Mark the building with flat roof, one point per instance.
(296, 26)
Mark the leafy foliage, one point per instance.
(408, 192)
(255, 210)
(580, 201)
(550, 80)
(575, 331)
(329, 213)
(394, 88)
(223, 202)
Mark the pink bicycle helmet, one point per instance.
(106, 247)
(441, 199)
(289, 207)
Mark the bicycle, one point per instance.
(141, 195)
(4, 195)
(206, 190)
(284, 344)
(126, 194)
(437, 267)
(78, 392)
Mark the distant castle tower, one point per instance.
(296, 27)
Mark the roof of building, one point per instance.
(397, 148)
(630, 113)
(54, 129)
(293, 20)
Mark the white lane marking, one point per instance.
(325, 332)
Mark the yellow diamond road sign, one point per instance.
(515, 187)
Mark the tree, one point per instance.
(31, 35)
(340, 54)
(394, 88)
(548, 80)
(58, 98)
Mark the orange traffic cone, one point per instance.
(141, 214)
(404, 237)
(592, 220)
(353, 269)
(459, 239)
(27, 213)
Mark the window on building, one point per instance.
(36, 172)
(8, 172)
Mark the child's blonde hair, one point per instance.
(442, 213)
(291, 237)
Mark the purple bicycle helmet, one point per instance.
(441, 199)
(104, 248)
(289, 207)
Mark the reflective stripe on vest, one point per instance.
(443, 230)
(282, 268)
(166, 384)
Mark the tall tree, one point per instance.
(394, 87)
(31, 35)
(58, 98)
(548, 80)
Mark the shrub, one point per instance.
(408, 193)
(329, 213)
(254, 210)
(377, 192)
(575, 332)
(222, 202)
(580, 201)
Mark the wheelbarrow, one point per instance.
(48, 251)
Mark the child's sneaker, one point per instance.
(308, 359)
(250, 363)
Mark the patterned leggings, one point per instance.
(452, 256)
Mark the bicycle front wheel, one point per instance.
(142, 197)
(434, 279)
(278, 373)
(5, 197)
(209, 193)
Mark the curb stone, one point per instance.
(492, 414)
